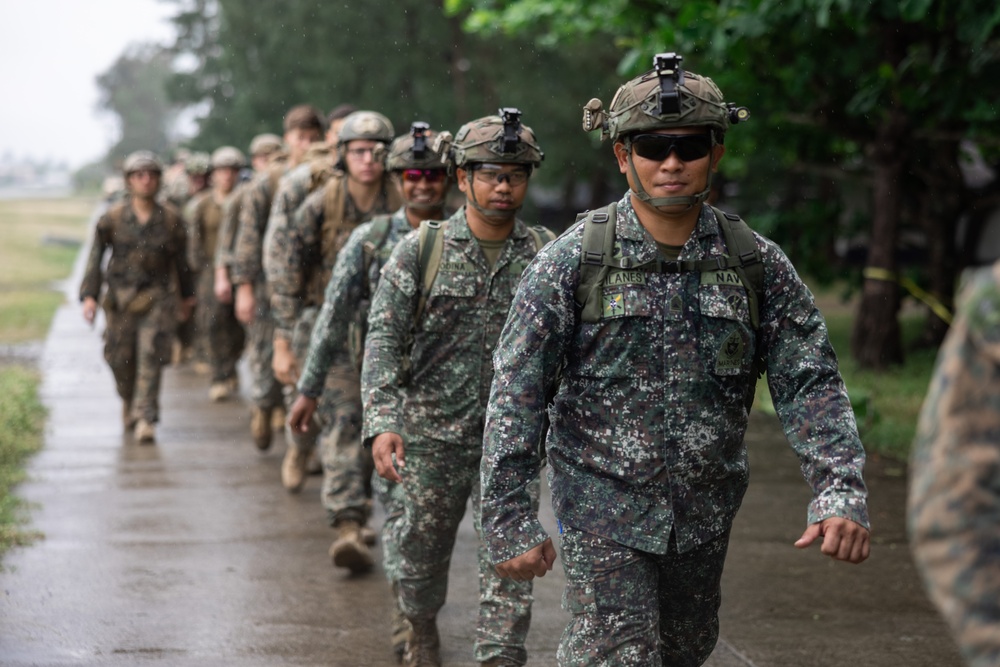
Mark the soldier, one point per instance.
(262, 148)
(954, 498)
(657, 313)
(440, 319)
(301, 252)
(176, 186)
(340, 329)
(303, 126)
(190, 344)
(218, 330)
(147, 254)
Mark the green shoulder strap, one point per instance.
(541, 235)
(740, 242)
(597, 250)
(429, 249)
(378, 232)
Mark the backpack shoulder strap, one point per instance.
(740, 243)
(430, 247)
(541, 235)
(377, 234)
(596, 253)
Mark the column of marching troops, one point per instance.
(426, 348)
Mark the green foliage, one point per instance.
(22, 418)
(134, 89)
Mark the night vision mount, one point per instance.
(419, 130)
(511, 118)
(671, 75)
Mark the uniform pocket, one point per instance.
(726, 338)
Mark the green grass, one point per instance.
(36, 250)
(22, 418)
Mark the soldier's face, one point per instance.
(425, 187)
(362, 166)
(671, 176)
(496, 187)
(144, 183)
(298, 141)
(224, 178)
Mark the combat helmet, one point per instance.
(228, 156)
(416, 150)
(367, 125)
(198, 163)
(665, 97)
(265, 144)
(500, 139)
(140, 161)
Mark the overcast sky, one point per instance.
(51, 52)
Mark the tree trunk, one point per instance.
(876, 341)
(942, 195)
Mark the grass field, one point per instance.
(39, 241)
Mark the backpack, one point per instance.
(357, 329)
(430, 247)
(597, 259)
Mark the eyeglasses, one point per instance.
(495, 176)
(657, 147)
(360, 152)
(430, 175)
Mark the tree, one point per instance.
(134, 89)
(250, 61)
(843, 91)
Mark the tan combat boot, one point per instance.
(424, 647)
(293, 468)
(144, 431)
(219, 391)
(260, 427)
(128, 419)
(349, 550)
(278, 418)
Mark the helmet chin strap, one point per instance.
(660, 203)
(426, 206)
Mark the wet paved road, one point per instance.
(190, 553)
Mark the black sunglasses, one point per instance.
(689, 147)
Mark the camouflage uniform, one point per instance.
(217, 330)
(646, 439)
(349, 291)
(247, 269)
(300, 259)
(441, 412)
(139, 305)
(954, 498)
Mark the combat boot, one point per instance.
(314, 466)
(293, 468)
(128, 419)
(278, 417)
(260, 427)
(349, 550)
(401, 629)
(424, 647)
(144, 431)
(368, 536)
(219, 391)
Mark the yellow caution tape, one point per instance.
(931, 301)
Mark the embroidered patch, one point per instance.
(457, 267)
(676, 304)
(730, 353)
(614, 304)
(624, 277)
(722, 277)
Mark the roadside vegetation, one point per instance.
(40, 242)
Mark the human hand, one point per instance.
(384, 446)
(89, 309)
(534, 562)
(283, 363)
(301, 414)
(842, 539)
(246, 303)
(223, 288)
(186, 308)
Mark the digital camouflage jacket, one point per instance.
(350, 285)
(648, 421)
(452, 365)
